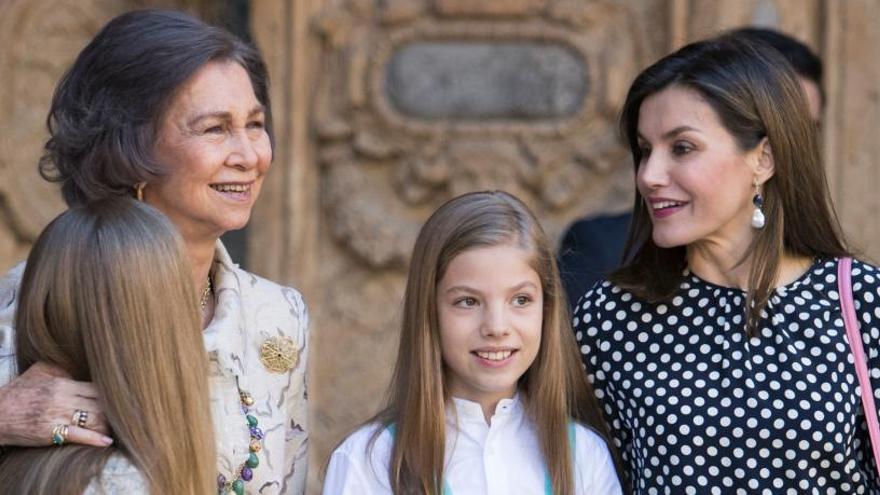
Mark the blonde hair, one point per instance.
(554, 388)
(107, 296)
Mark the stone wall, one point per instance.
(39, 39)
(362, 160)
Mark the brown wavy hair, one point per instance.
(107, 295)
(106, 112)
(554, 388)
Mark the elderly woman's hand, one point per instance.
(43, 397)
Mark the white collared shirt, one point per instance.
(500, 458)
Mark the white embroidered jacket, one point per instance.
(249, 310)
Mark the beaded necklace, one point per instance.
(245, 471)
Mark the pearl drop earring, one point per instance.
(758, 219)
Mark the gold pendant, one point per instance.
(279, 354)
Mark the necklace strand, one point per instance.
(244, 472)
(209, 288)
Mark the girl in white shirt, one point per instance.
(488, 395)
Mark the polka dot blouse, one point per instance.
(695, 406)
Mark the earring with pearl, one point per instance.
(758, 219)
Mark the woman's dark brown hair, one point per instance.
(104, 117)
(755, 94)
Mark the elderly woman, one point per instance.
(175, 112)
(719, 352)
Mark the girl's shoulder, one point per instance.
(587, 440)
(119, 475)
(10, 282)
(9, 294)
(595, 465)
(372, 436)
(360, 463)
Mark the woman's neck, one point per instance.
(726, 264)
(720, 263)
(201, 256)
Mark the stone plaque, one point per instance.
(486, 80)
(489, 7)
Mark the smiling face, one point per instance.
(490, 309)
(696, 183)
(214, 143)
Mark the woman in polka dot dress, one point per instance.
(719, 351)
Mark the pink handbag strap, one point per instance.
(844, 285)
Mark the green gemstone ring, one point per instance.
(59, 434)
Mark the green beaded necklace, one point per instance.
(245, 472)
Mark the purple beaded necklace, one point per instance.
(245, 471)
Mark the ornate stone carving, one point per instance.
(40, 39)
(702, 18)
(461, 8)
(386, 163)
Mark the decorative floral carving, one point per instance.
(39, 40)
(385, 171)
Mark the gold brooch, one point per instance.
(279, 354)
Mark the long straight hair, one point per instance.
(755, 94)
(554, 388)
(107, 296)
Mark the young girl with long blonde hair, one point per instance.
(488, 394)
(107, 297)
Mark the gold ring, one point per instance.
(80, 417)
(59, 434)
